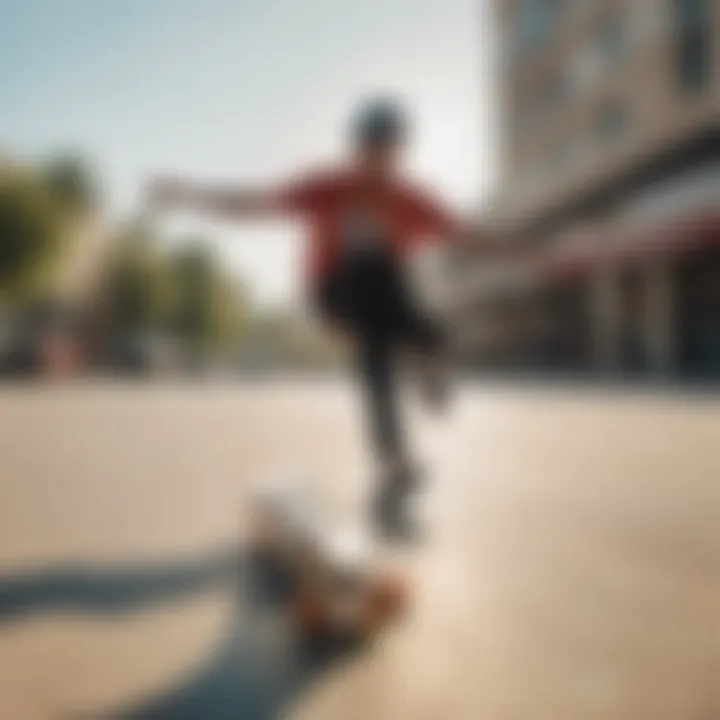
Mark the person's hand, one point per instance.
(473, 235)
(164, 193)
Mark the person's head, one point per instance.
(379, 133)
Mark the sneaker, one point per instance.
(391, 507)
(433, 376)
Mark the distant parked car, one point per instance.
(19, 356)
(34, 353)
(39, 340)
(143, 353)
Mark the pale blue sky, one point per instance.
(243, 89)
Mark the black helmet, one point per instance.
(380, 120)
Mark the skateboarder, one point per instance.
(364, 219)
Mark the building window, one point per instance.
(536, 22)
(540, 106)
(552, 95)
(562, 159)
(571, 155)
(581, 7)
(693, 21)
(614, 40)
(586, 70)
(614, 122)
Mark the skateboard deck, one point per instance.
(341, 580)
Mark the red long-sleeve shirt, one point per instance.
(403, 214)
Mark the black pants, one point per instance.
(368, 296)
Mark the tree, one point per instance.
(231, 314)
(31, 231)
(210, 306)
(71, 181)
(40, 212)
(192, 278)
(138, 287)
(181, 293)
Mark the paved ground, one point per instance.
(573, 571)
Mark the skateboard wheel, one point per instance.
(311, 614)
(388, 599)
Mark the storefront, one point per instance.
(633, 303)
(650, 299)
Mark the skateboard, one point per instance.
(339, 580)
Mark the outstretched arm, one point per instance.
(233, 203)
(432, 219)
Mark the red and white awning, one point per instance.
(581, 251)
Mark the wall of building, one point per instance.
(611, 167)
(579, 108)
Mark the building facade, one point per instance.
(609, 191)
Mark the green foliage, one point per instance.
(31, 230)
(183, 292)
(37, 209)
(72, 182)
(147, 286)
(192, 270)
(232, 312)
(209, 305)
(138, 284)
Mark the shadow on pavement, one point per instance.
(115, 589)
(260, 666)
